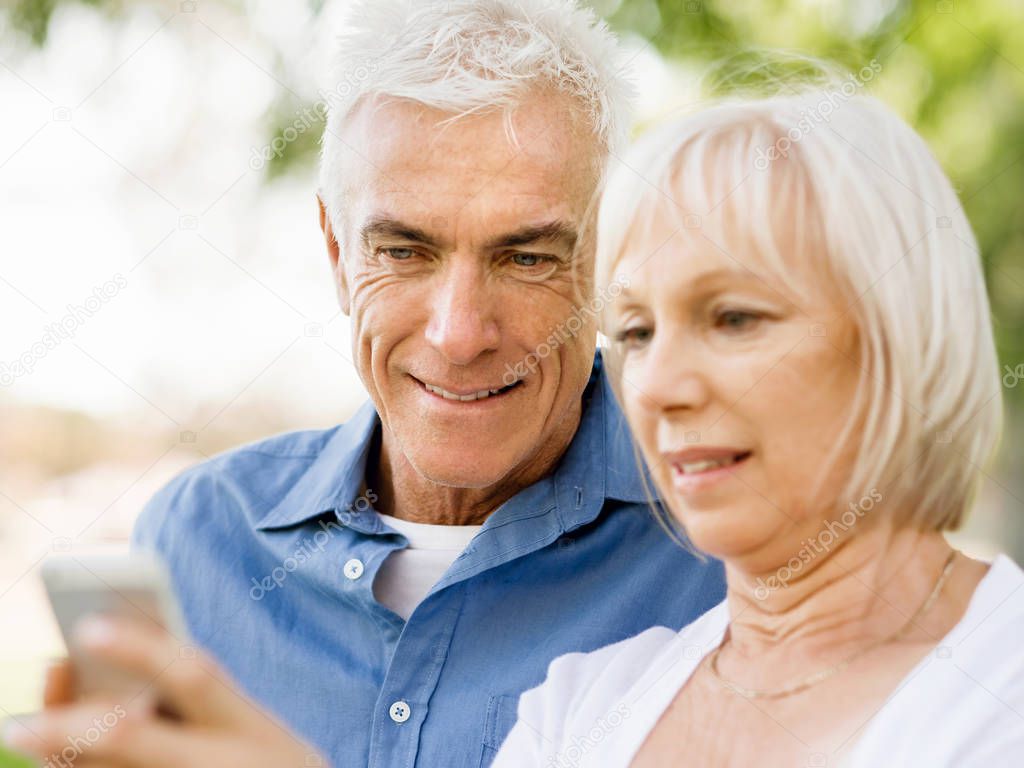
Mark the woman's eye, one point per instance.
(634, 337)
(736, 320)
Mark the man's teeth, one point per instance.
(693, 467)
(464, 398)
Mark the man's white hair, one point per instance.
(877, 218)
(469, 56)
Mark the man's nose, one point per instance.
(462, 323)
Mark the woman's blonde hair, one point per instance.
(879, 219)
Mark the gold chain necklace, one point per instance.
(806, 682)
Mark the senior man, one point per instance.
(387, 588)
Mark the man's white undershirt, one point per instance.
(407, 575)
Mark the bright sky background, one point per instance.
(131, 148)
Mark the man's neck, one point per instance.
(403, 492)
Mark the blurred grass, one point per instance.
(8, 760)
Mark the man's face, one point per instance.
(457, 267)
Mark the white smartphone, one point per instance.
(135, 587)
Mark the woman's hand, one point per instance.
(203, 720)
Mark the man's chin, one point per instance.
(482, 468)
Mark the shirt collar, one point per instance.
(602, 447)
(333, 479)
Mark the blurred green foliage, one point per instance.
(32, 17)
(8, 760)
(953, 69)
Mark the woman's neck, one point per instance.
(864, 590)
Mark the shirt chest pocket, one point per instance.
(501, 716)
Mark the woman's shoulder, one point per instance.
(985, 647)
(966, 699)
(599, 689)
(997, 604)
(614, 669)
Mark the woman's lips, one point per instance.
(696, 470)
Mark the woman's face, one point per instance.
(736, 390)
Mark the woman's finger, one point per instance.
(59, 687)
(184, 679)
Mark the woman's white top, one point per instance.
(962, 705)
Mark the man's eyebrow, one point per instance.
(553, 231)
(383, 226)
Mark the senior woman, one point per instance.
(802, 345)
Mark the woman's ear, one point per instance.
(334, 254)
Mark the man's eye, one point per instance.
(528, 259)
(398, 254)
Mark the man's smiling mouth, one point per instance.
(466, 395)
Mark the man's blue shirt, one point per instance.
(273, 552)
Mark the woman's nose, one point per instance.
(672, 377)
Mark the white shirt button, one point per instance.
(353, 569)
(399, 712)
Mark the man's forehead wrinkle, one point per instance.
(415, 127)
(468, 206)
(476, 169)
(466, 191)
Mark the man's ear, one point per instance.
(334, 254)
